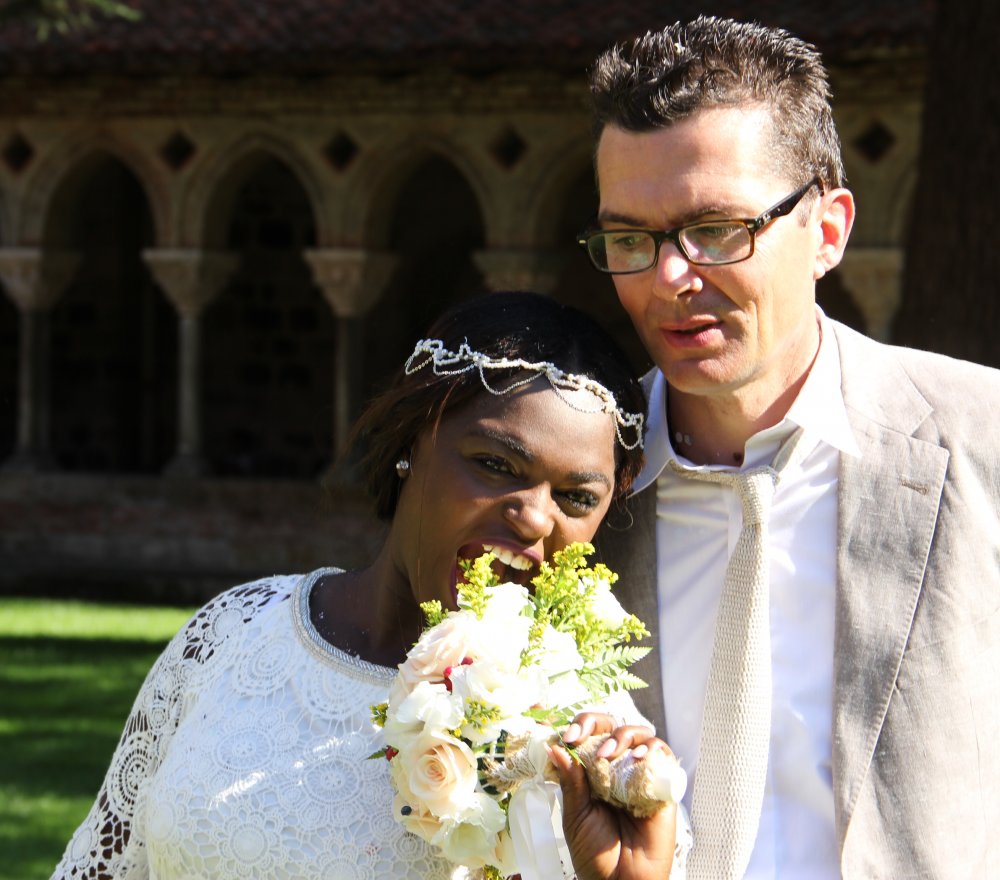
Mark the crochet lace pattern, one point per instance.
(244, 757)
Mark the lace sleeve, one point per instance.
(109, 845)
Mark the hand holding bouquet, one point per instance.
(475, 703)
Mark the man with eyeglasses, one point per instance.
(721, 204)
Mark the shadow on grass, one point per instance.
(64, 702)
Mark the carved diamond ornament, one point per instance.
(341, 150)
(17, 152)
(178, 150)
(508, 148)
(875, 141)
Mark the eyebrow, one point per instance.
(695, 216)
(518, 448)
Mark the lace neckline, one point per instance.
(320, 647)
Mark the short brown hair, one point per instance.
(669, 75)
(514, 325)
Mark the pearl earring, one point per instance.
(403, 468)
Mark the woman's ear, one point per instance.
(836, 217)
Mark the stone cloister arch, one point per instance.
(205, 202)
(50, 187)
(270, 339)
(112, 349)
(433, 226)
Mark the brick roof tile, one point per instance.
(328, 36)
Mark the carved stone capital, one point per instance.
(352, 279)
(874, 278)
(35, 278)
(191, 278)
(519, 269)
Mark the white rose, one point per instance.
(558, 653)
(567, 690)
(607, 608)
(511, 695)
(442, 774)
(502, 634)
(427, 706)
(508, 600)
(472, 841)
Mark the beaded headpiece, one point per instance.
(450, 363)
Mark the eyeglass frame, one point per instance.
(753, 225)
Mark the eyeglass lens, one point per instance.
(635, 251)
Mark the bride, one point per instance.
(514, 427)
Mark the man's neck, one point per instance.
(715, 428)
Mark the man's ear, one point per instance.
(836, 217)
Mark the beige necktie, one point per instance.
(736, 723)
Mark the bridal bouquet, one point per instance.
(478, 698)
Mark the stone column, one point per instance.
(352, 281)
(34, 279)
(191, 279)
(874, 277)
(519, 269)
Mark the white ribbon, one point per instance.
(535, 818)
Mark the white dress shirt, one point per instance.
(698, 524)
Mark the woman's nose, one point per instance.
(531, 512)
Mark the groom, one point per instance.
(717, 151)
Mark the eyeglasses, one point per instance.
(712, 243)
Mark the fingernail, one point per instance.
(572, 733)
(607, 748)
(639, 752)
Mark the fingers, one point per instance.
(641, 740)
(588, 724)
(572, 778)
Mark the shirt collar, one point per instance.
(819, 409)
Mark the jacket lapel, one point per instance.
(626, 543)
(887, 509)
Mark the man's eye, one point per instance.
(627, 241)
(716, 232)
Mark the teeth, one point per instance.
(507, 557)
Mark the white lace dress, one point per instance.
(245, 757)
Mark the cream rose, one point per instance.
(439, 647)
(442, 774)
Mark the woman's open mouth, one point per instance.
(509, 565)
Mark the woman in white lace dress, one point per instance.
(245, 755)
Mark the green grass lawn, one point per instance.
(69, 672)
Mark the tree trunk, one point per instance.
(951, 281)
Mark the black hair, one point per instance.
(515, 325)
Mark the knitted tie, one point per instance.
(736, 724)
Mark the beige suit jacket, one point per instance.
(916, 721)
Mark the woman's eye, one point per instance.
(495, 464)
(581, 499)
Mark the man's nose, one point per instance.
(674, 275)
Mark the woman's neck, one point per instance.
(361, 613)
